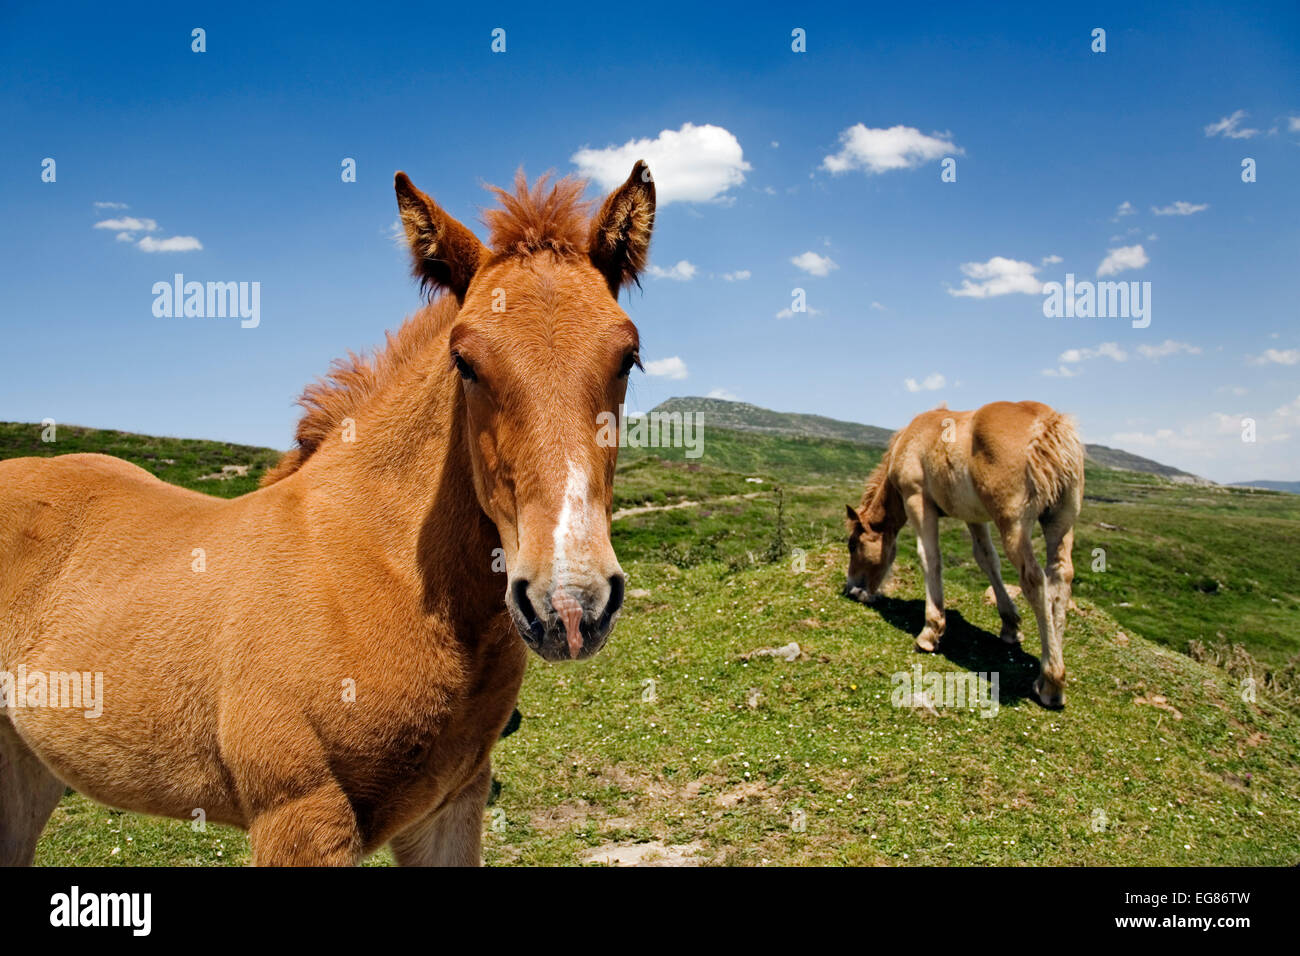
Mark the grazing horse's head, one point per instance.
(872, 546)
(543, 353)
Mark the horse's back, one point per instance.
(72, 477)
(992, 463)
(74, 522)
(1026, 453)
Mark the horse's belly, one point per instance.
(127, 764)
(959, 499)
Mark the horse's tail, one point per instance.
(1055, 461)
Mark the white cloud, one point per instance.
(814, 264)
(171, 244)
(878, 307)
(1290, 410)
(724, 394)
(1125, 257)
(998, 276)
(930, 383)
(1293, 124)
(1212, 444)
(1278, 357)
(128, 224)
(682, 272)
(1051, 260)
(1167, 347)
(1125, 208)
(1180, 208)
(881, 150)
(1230, 126)
(110, 205)
(127, 228)
(691, 164)
(788, 313)
(739, 275)
(672, 367)
(1110, 350)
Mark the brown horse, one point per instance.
(1012, 464)
(327, 661)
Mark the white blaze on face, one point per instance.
(572, 529)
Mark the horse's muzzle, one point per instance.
(855, 592)
(572, 626)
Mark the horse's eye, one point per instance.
(466, 370)
(630, 359)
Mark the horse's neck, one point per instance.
(405, 487)
(886, 504)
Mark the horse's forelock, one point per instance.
(549, 216)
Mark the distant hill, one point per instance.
(1127, 461)
(742, 416)
(1292, 487)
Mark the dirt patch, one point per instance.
(647, 509)
(565, 816)
(1158, 701)
(741, 793)
(654, 853)
(226, 473)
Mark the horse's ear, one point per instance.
(444, 254)
(851, 519)
(620, 233)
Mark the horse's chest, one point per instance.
(426, 749)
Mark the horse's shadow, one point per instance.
(968, 646)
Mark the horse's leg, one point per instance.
(1018, 539)
(452, 836)
(925, 519)
(1058, 530)
(28, 795)
(982, 546)
(317, 828)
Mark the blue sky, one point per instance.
(777, 170)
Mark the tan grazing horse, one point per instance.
(1010, 463)
(327, 661)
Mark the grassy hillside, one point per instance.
(1293, 487)
(675, 743)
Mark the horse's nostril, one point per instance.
(519, 591)
(615, 599)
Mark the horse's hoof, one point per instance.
(927, 642)
(1012, 637)
(1053, 699)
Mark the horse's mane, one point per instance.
(881, 502)
(352, 381)
(549, 217)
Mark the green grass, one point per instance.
(760, 760)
